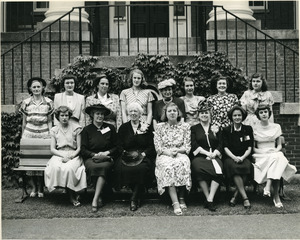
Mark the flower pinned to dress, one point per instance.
(143, 128)
(215, 129)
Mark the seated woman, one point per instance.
(136, 166)
(206, 155)
(172, 143)
(65, 169)
(98, 148)
(270, 163)
(237, 143)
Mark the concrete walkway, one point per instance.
(270, 226)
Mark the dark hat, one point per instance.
(29, 83)
(237, 107)
(98, 77)
(98, 107)
(132, 158)
(204, 105)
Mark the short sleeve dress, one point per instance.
(112, 102)
(237, 142)
(250, 100)
(221, 104)
(203, 169)
(72, 173)
(94, 140)
(172, 171)
(143, 97)
(191, 105)
(270, 164)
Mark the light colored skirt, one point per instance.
(272, 165)
(171, 171)
(67, 175)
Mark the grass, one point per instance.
(56, 205)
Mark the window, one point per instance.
(40, 6)
(120, 9)
(179, 9)
(258, 5)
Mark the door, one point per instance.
(149, 19)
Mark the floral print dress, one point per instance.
(172, 171)
(221, 104)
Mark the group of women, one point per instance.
(131, 140)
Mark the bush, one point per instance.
(11, 127)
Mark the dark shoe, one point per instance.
(76, 204)
(211, 206)
(94, 209)
(100, 203)
(232, 202)
(206, 204)
(247, 203)
(133, 205)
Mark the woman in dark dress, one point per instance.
(206, 155)
(135, 168)
(238, 142)
(98, 148)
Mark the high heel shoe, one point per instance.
(277, 205)
(266, 193)
(182, 204)
(211, 206)
(177, 210)
(133, 205)
(94, 209)
(33, 194)
(246, 204)
(232, 202)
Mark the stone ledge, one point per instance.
(290, 108)
(8, 108)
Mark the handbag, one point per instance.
(132, 158)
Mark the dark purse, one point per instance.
(132, 158)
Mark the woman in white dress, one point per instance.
(65, 169)
(172, 140)
(270, 163)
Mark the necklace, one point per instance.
(166, 102)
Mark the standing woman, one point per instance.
(37, 113)
(166, 89)
(256, 94)
(270, 163)
(109, 100)
(206, 155)
(65, 169)
(71, 99)
(238, 142)
(221, 101)
(99, 149)
(173, 143)
(136, 165)
(191, 101)
(137, 93)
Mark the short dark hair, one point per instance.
(62, 109)
(38, 79)
(67, 77)
(143, 82)
(264, 86)
(263, 107)
(164, 112)
(214, 80)
(98, 78)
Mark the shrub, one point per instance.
(10, 136)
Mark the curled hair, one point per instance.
(138, 71)
(164, 112)
(67, 77)
(214, 80)
(62, 109)
(264, 86)
(40, 80)
(263, 107)
(135, 106)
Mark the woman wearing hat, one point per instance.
(221, 101)
(172, 140)
(166, 89)
(137, 93)
(270, 163)
(135, 168)
(65, 169)
(98, 148)
(109, 100)
(71, 99)
(37, 113)
(206, 155)
(237, 143)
